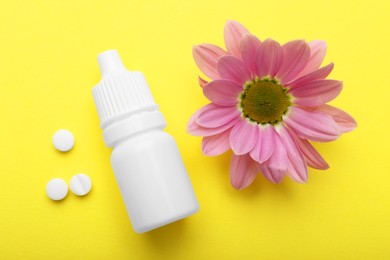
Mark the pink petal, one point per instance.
(243, 137)
(206, 57)
(197, 130)
(223, 92)
(315, 75)
(316, 93)
(215, 116)
(297, 169)
(269, 58)
(314, 126)
(312, 157)
(344, 120)
(216, 144)
(317, 55)
(273, 175)
(192, 122)
(275, 168)
(248, 47)
(243, 171)
(278, 160)
(230, 67)
(202, 82)
(233, 33)
(296, 55)
(264, 147)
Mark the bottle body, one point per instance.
(153, 180)
(146, 161)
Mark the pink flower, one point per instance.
(267, 102)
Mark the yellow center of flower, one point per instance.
(264, 101)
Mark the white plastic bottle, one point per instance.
(146, 161)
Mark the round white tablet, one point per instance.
(56, 189)
(63, 140)
(80, 184)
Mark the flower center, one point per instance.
(264, 101)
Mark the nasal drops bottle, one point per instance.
(146, 161)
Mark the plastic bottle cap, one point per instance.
(56, 189)
(63, 140)
(80, 184)
(120, 91)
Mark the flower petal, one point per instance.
(206, 57)
(195, 116)
(278, 160)
(230, 67)
(343, 119)
(275, 168)
(265, 144)
(233, 33)
(269, 58)
(197, 130)
(248, 47)
(312, 157)
(216, 144)
(243, 171)
(222, 92)
(271, 174)
(202, 82)
(315, 75)
(317, 55)
(312, 125)
(296, 55)
(243, 137)
(297, 169)
(215, 116)
(316, 93)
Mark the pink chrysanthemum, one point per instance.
(267, 102)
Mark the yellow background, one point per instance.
(47, 69)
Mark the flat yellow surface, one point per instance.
(47, 70)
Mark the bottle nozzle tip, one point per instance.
(109, 61)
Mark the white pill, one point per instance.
(56, 189)
(63, 140)
(80, 184)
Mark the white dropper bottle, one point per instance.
(146, 161)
